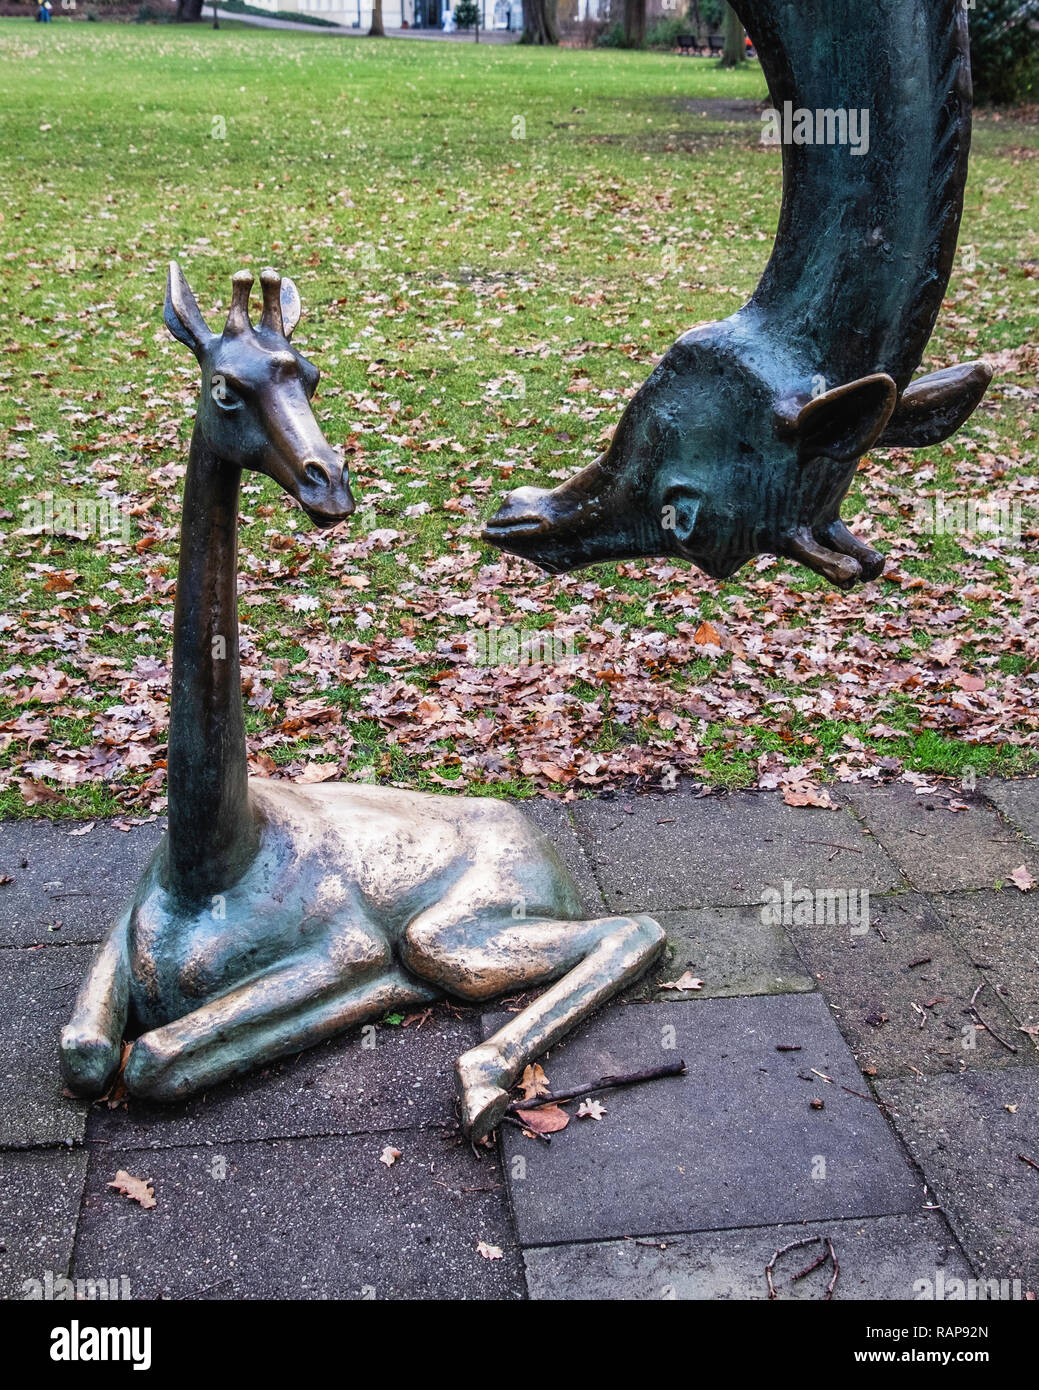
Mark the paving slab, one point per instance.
(303, 1218)
(1018, 800)
(1000, 932)
(901, 990)
(881, 1257)
(940, 850)
(731, 950)
(554, 820)
(735, 1142)
(403, 1080)
(39, 1205)
(79, 881)
(37, 990)
(667, 853)
(967, 1143)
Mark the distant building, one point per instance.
(398, 14)
(583, 19)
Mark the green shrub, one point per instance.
(466, 14)
(1004, 50)
(664, 33)
(613, 37)
(711, 14)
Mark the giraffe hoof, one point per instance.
(149, 1072)
(89, 1060)
(482, 1110)
(483, 1089)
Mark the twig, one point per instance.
(862, 1095)
(1030, 1161)
(788, 1047)
(832, 844)
(794, 1245)
(836, 1270)
(974, 996)
(989, 1029)
(512, 1120)
(814, 1265)
(494, 1187)
(607, 1083)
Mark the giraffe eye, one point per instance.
(222, 394)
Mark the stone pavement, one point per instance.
(838, 1084)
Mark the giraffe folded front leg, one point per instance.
(478, 960)
(841, 570)
(837, 535)
(91, 1042)
(284, 1011)
(623, 948)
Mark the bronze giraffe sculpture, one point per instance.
(273, 916)
(747, 435)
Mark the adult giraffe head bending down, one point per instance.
(746, 437)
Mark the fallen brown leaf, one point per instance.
(686, 981)
(545, 1119)
(1022, 879)
(137, 1189)
(534, 1083)
(591, 1109)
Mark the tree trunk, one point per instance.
(376, 31)
(634, 23)
(188, 11)
(540, 22)
(734, 52)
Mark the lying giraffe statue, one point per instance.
(274, 916)
(747, 435)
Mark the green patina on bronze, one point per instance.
(274, 915)
(747, 435)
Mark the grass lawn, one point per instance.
(493, 244)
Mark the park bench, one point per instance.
(692, 43)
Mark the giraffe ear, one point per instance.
(182, 314)
(291, 308)
(841, 423)
(935, 406)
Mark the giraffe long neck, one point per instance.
(212, 834)
(865, 243)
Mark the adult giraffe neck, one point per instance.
(865, 243)
(212, 833)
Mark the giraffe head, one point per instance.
(254, 411)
